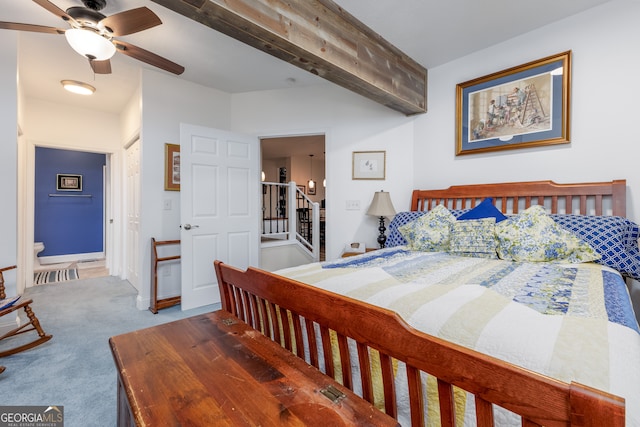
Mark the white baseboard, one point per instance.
(143, 304)
(58, 259)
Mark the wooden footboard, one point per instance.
(318, 326)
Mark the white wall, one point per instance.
(9, 157)
(49, 124)
(300, 173)
(167, 102)
(604, 133)
(350, 123)
(131, 117)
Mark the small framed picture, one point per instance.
(369, 165)
(172, 167)
(68, 182)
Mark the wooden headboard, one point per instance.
(591, 198)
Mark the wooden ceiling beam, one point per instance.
(321, 37)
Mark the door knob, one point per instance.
(189, 226)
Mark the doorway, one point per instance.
(69, 215)
(303, 158)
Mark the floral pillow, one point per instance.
(534, 236)
(395, 238)
(474, 237)
(430, 232)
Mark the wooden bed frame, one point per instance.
(586, 198)
(286, 311)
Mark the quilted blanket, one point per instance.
(573, 322)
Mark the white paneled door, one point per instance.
(219, 208)
(133, 214)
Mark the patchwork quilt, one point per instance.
(573, 322)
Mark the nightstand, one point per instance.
(348, 254)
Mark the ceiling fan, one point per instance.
(92, 33)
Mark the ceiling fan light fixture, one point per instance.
(90, 44)
(77, 87)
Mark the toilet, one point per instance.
(37, 248)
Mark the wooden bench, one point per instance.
(215, 370)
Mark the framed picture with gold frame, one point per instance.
(523, 106)
(171, 167)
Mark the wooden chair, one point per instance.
(32, 325)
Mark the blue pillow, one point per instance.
(8, 302)
(484, 210)
(615, 238)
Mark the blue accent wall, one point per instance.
(69, 224)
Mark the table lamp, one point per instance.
(381, 207)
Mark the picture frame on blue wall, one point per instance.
(172, 167)
(68, 182)
(520, 107)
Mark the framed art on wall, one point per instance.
(172, 167)
(368, 165)
(68, 182)
(523, 106)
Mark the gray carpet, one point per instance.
(75, 368)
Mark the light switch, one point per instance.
(353, 205)
(167, 205)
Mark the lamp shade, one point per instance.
(381, 205)
(90, 44)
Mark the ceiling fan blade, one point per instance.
(100, 67)
(131, 21)
(148, 57)
(54, 9)
(30, 27)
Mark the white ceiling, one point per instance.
(432, 32)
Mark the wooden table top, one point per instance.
(213, 369)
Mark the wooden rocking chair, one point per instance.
(32, 325)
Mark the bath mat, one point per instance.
(44, 277)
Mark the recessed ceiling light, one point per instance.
(78, 87)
